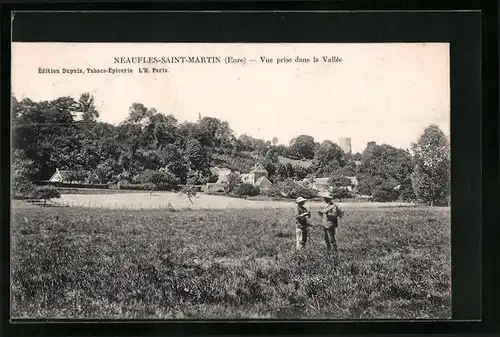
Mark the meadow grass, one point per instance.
(216, 264)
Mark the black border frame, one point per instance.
(474, 124)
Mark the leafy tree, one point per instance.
(23, 171)
(272, 155)
(303, 146)
(328, 158)
(139, 113)
(340, 193)
(77, 175)
(64, 109)
(383, 165)
(143, 177)
(213, 132)
(197, 178)
(196, 155)
(300, 172)
(357, 156)
(274, 141)
(431, 177)
(385, 192)
(233, 180)
(348, 170)
(270, 167)
(291, 189)
(247, 190)
(161, 179)
(339, 181)
(107, 170)
(406, 191)
(86, 107)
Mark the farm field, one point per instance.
(162, 200)
(70, 262)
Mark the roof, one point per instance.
(262, 180)
(259, 168)
(66, 174)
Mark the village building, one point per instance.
(222, 173)
(257, 172)
(64, 176)
(264, 184)
(318, 184)
(258, 176)
(322, 185)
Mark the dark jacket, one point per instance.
(301, 218)
(330, 215)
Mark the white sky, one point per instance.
(387, 93)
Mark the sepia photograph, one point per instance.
(230, 181)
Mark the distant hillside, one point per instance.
(303, 163)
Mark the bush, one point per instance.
(162, 179)
(45, 193)
(93, 178)
(233, 180)
(340, 193)
(143, 177)
(138, 187)
(123, 182)
(385, 193)
(247, 190)
(71, 185)
(22, 188)
(292, 189)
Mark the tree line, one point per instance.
(150, 147)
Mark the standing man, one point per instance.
(330, 214)
(302, 223)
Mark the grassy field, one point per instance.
(162, 200)
(103, 263)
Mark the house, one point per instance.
(318, 184)
(264, 184)
(222, 173)
(257, 172)
(322, 185)
(65, 176)
(258, 176)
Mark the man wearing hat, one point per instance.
(330, 214)
(301, 217)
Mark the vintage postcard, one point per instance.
(231, 181)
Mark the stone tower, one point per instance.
(345, 144)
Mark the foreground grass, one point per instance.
(93, 263)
